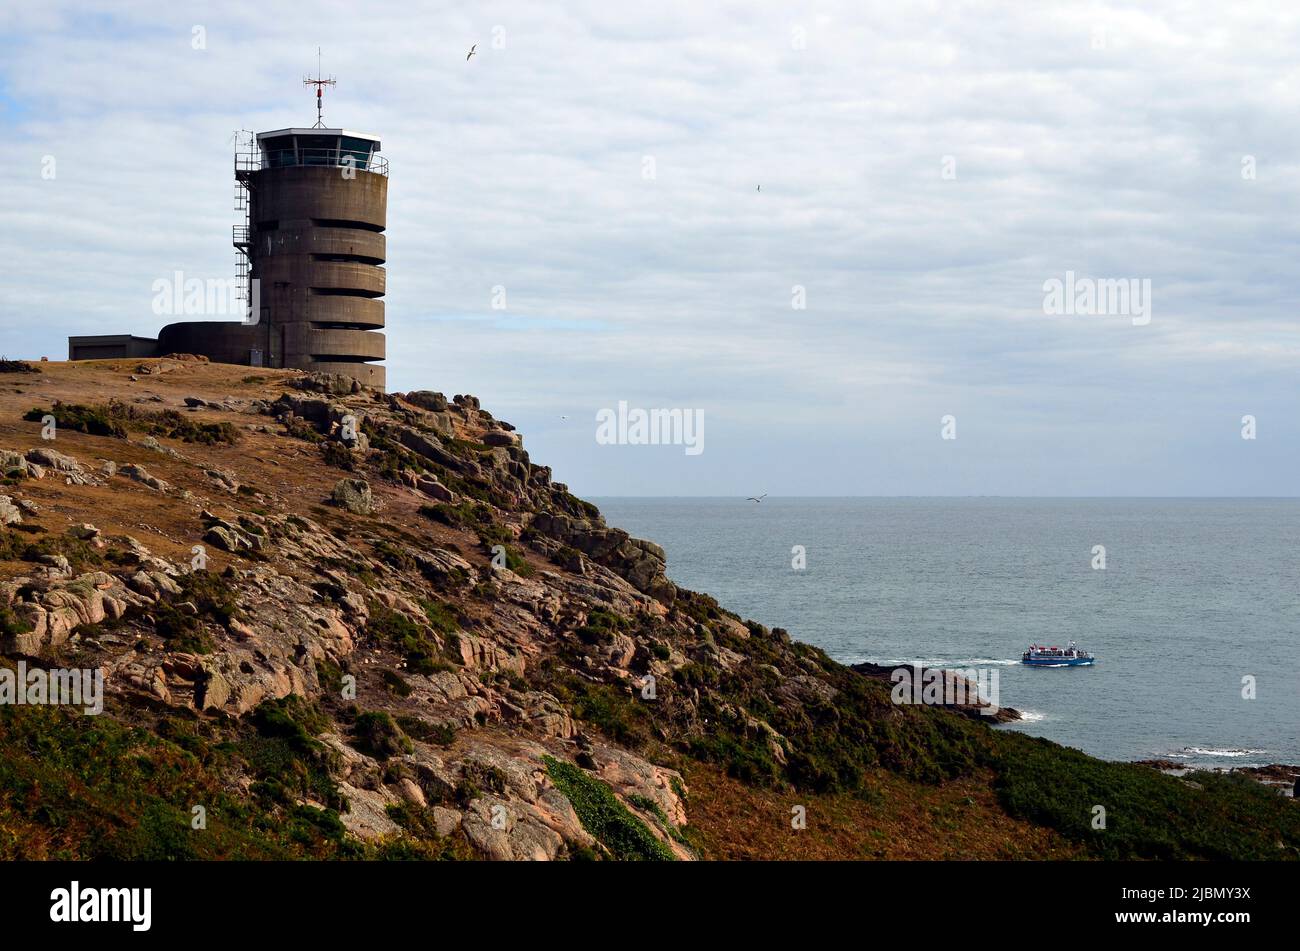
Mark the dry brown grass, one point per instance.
(894, 819)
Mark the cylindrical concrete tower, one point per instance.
(318, 203)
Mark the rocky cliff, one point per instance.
(336, 622)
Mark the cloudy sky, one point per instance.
(925, 168)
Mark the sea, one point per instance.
(1194, 618)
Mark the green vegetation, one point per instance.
(396, 684)
(1148, 815)
(422, 844)
(395, 556)
(299, 428)
(610, 709)
(459, 515)
(514, 560)
(81, 555)
(74, 417)
(184, 630)
(646, 804)
(86, 788)
(378, 734)
(439, 734)
(601, 626)
(114, 419)
(606, 818)
(330, 675)
(338, 455)
(571, 504)
(170, 424)
(17, 366)
(477, 777)
(444, 618)
(415, 642)
(10, 623)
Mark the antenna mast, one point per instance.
(320, 85)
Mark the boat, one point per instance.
(1068, 656)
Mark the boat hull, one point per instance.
(1060, 662)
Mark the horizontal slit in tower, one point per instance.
(345, 292)
(344, 223)
(341, 358)
(347, 259)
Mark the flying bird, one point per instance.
(471, 52)
(759, 188)
(758, 499)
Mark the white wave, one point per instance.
(1031, 716)
(1189, 751)
(944, 662)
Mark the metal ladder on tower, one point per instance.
(246, 162)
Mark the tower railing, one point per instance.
(288, 158)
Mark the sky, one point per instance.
(819, 229)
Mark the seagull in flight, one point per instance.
(471, 52)
(756, 499)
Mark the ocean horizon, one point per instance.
(1195, 605)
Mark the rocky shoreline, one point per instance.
(954, 684)
(1280, 776)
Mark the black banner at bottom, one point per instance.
(340, 900)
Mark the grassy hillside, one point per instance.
(339, 624)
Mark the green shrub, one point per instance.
(601, 626)
(439, 734)
(602, 815)
(75, 417)
(338, 455)
(379, 735)
(415, 642)
(394, 682)
(1148, 815)
(115, 418)
(11, 624)
(14, 546)
(444, 618)
(458, 515)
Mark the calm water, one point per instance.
(1196, 594)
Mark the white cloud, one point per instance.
(523, 168)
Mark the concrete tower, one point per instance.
(318, 208)
(313, 249)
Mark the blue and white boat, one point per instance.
(1068, 656)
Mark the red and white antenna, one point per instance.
(320, 85)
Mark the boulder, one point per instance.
(9, 513)
(143, 476)
(354, 495)
(428, 446)
(426, 399)
(333, 384)
(66, 466)
(12, 464)
(431, 487)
